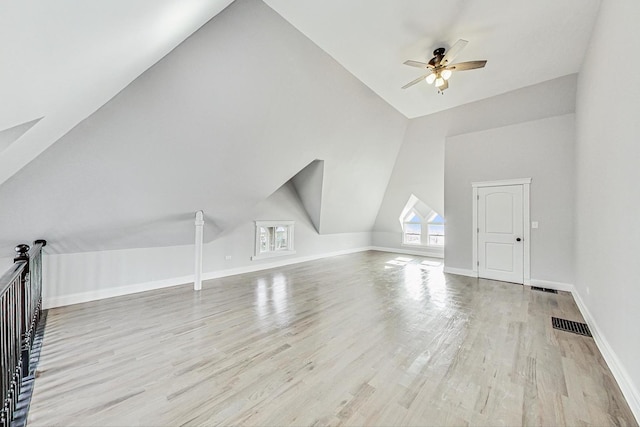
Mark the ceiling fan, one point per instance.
(440, 66)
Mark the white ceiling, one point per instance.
(64, 59)
(199, 131)
(245, 86)
(525, 42)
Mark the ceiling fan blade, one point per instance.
(416, 81)
(453, 52)
(417, 64)
(469, 65)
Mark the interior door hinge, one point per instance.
(478, 263)
(478, 230)
(478, 197)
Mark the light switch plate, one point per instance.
(534, 224)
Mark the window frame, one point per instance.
(410, 214)
(432, 222)
(259, 254)
(425, 234)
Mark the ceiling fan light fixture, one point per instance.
(440, 68)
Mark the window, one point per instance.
(412, 230)
(421, 225)
(273, 238)
(435, 230)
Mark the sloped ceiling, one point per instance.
(239, 108)
(11, 135)
(525, 42)
(419, 166)
(222, 122)
(64, 59)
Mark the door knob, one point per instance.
(518, 239)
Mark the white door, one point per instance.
(501, 233)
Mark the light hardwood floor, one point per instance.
(364, 339)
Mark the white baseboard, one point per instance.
(558, 286)
(80, 297)
(621, 375)
(77, 298)
(279, 263)
(460, 271)
(426, 253)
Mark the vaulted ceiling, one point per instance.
(525, 42)
(119, 119)
(203, 129)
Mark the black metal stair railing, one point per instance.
(21, 309)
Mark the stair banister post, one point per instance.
(199, 223)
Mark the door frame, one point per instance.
(526, 184)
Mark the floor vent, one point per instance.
(571, 326)
(551, 291)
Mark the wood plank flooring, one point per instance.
(364, 339)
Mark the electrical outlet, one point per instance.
(227, 258)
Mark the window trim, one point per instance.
(424, 230)
(409, 214)
(289, 225)
(431, 221)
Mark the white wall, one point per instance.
(5, 264)
(607, 198)
(420, 165)
(218, 124)
(541, 150)
(72, 278)
(308, 184)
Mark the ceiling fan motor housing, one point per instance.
(438, 54)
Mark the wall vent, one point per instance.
(537, 288)
(571, 326)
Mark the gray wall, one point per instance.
(308, 184)
(5, 264)
(420, 165)
(91, 273)
(541, 150)
(218, 125)
(608, 199)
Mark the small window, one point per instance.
(412, 230)
(421, 225)
(423, 231)
(273, 238)
(435, 231)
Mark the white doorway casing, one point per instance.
(506, 189)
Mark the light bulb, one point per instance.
(430, 78)
(439, 81)
(446, 74)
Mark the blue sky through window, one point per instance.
(437, 220)
(413, 218)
